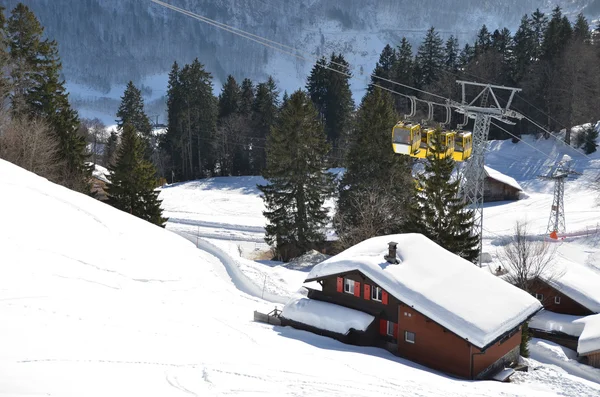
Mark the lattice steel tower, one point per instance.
(473, 175)
(556, 222)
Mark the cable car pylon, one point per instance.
(473, 175)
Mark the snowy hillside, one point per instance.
(95, 302)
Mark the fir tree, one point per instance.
(404, 72)
(556, 36)
(110, 149)
(466, 56)
(484, 41)
(581, 29)
(131, 111)
(316, 85)
(590, 139)
(132, 186)
(384, 69)
(437, 211)
(230, 98)
(39, 92)
(265, 109)
(298, 182)
(451, 54)
(524, 50)
(4, 59)
(539, 24)
(373, 173)
(247, 97)
(430, 59)
(525, 338)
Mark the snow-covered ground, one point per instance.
(96, 302)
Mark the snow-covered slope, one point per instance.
(95, 302)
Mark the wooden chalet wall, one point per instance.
(494, 190)
(566, 305)
(434, 346)
(593, 359)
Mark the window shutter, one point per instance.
(395, 331)
(340, 284)
(384, 297)
(357, 289)
(367, 292)
(382, 327)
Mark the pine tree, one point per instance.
(590, 139)
(230, 98)
(466, 56)
(247, 99)
(131, 111)
(484, 41)
(298, 182)
(377, 182)
(39, 92)
(430, 59)
(171, 142)
(132, 186)
(581, 29)
(556, 36)
(110, 150)
(4, 59)
(437, 211)
(525, 338)
(384, 69)
(316, 85)
(451, 54)
(403, 72)
(524, 50)
(539, 24)
(265, 109)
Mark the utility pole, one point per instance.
(473, 175)
(556, 221)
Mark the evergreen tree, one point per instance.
(132, 186)
(556, 36)
(429, 59)
(581, 29)
(403, 72)
(131, 111)
(230, 98)
(384, 69)
(466, 56)
(377, 182)
(484, 41)
(451, 54)
(437, 211)
(4, 59)
(298, 182)
(265, 109)
(524, 50)
(539, 24)
(110, 150)
(590, 139)
(247, 97)
(525, 338)
(317, 85)
(39, 92)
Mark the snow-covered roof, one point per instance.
(500, 177)
(555, 322)
(580, 283)
(100, 172)
(472, 303)
(326, 316)
(589, 341)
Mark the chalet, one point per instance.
(419, 301)
(98, 182)
(574, 291)
(499, 187)
(588, 347)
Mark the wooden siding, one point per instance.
(494, 190)
(565, 340)
(566, 305)
(593, 359)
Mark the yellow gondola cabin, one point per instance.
(406, 138)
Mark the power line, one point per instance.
(273, 45)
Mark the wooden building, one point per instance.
(555, 299)
(98, 182)
(499, 187)
(420, 305)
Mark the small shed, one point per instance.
(589, 342)
(499, 187)
(98, 182)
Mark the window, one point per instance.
(557, 300)
(390, 328)
(540, 297)
(376, 293)
(349, 286)
(409, 336)
(402, 136)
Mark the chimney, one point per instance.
(391, 256)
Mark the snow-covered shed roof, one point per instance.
(100, 173)
(589, 340)
(556, 322)
(500, 177)
(472, 303)
(579, 283)
(327, 316)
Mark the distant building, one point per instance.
(418, 306)
(98, 182)
(499, 187)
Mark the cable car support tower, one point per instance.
(556, 222)
(473, 175)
